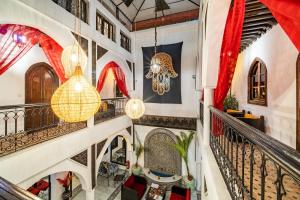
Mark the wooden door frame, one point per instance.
(32, 68)
(298, 103)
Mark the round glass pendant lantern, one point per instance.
(73, 56)
(135, 108)
(76, 100)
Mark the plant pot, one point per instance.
(189, 183)
(136, 170)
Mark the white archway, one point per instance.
(108, 57)
(124, 134)
(67, 165)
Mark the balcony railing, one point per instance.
(22, 126)
(110, 108)
(253, 164)
(11, 191)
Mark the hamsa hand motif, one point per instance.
(161, 80)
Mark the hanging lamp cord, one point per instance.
(155, 28)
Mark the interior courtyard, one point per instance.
(149, 100)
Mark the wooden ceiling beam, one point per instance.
(257, 27)
(167, 20)
(269, 22)
(257, 12)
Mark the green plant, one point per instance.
(230, 102)
(139, 149)
(182, 146)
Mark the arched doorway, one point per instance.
(160, 156)
(40, 84)
(298, 104)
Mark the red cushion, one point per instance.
(140, 188)
(42, 185)
(33, 190)
(175, 196)
(130, 182)
(188, 195)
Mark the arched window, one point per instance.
(257, 83)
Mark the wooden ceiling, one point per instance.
(258, 20)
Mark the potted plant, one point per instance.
(182, 146)
(139, 149)
(66, 184)
(230, 102)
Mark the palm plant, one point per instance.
(182, 146)
(139, 149)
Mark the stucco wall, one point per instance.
(186, 32)
(280, 55)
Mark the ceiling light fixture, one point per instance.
(75, 100)
(155, 63)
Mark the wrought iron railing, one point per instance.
(110, 108)
(22, 126)
(253, 164)
(201, 112)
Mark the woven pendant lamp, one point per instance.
(71, 57)
(76, 100)
(135, 108)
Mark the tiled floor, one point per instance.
(102, 191)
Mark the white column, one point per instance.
(90, 194)
(208, 100)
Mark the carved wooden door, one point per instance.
(40, 84)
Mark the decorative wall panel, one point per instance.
(185, 123)
(160, 156)
(81, 158)
(100, 146)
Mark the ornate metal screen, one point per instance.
(159, 153)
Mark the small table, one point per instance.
(156, 192)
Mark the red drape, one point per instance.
(287, 14)
(228, 58)
(53, 52)
(118, 74)
(16, 40)
(229, 51)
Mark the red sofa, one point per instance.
(179, 193)
(134, 188)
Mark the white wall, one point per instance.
(53, 156)
(280, 56)
(188, 33)
(12, 82)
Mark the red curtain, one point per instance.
(53, 52)
(118, 74)
(287, 14)
(16, 40)
(229, 51)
